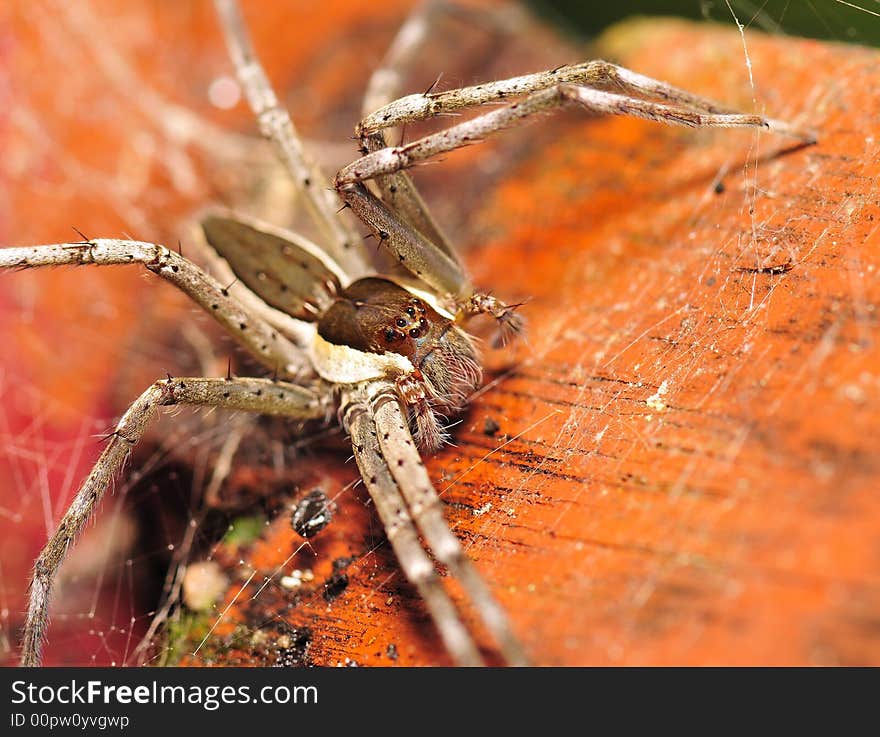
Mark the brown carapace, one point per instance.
(376, 315)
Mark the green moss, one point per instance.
(183, 633)
(187, 632)
(244, 530)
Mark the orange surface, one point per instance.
(685, 467)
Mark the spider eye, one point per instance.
(414, 333)
(410, 311)
(392, 335)
(401, 323)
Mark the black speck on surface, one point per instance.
(337, 582)
(340, 564)
(391, 651)
(312, 514)
(491, 427)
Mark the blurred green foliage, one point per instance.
(826, 19)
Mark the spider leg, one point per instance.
(263, 396)
(402, 458)
(239, 428)
(475, 130)
(260, 338)
(428, 262)
(175, 122)
(595, 74)
(387, 78)
(276, 126)
(401, 531)
(398, 189)
(407, 244)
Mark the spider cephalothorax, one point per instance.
(440, 369)
(383, 350)
(374, 328)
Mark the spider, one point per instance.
(385, 352)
